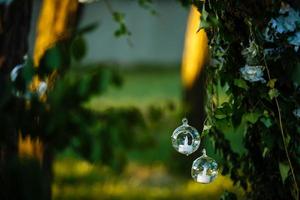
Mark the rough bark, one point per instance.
(15, 21)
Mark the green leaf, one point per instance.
(219, 114)
(206, 129)
(268, 140)
(118, 16)
(287, 139)
(78, 48)
(204, 13)
(228, 196)
(222, 95)
(271, 83)
(241, 83)
(251, 117)
(266, 121)
(84, 85)
(273, 93)
(234, 135)
(204, 23)
(122, 29)
(265, 152)
(53, 58)
(284, 171)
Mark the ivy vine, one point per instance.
(253, 93)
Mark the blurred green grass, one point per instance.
(77, 179)
(142, 88)
(146, 176)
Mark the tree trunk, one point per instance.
(194, 59)
(15, 20)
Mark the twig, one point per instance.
(282, 135)
(112, 12)
(109, 7)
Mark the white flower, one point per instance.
(296, 113)
(253, 73)
(286, 22)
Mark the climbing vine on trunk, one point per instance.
(253, 93)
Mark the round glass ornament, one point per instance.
(204, 169)
(185, 138)
(42, 88)
(15, 72)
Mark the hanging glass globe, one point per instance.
(185, 138)
(42, 88)
(15, 72)
(204, 169)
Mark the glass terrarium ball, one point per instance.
(204, 169)
(185, 138)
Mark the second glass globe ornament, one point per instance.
(204, 169)
(185, 138)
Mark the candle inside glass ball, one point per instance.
(185, 138)
(204, 169)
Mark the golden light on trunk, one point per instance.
(195, 50)
(29, 147)
(53, 24)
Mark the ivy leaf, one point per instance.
(273, 93)
(122, 29)
(223, 94)
(265, 152)
(204, 23)
(204, 14)
(84, 85)
(228, 196)
(266, 121)
(78, 48)
(220, 115)
(206, 129)
(287, 139)
(53, 58)
(241, 84)
(271, 83)
(232, 134)
(251, 117)
(284, 171)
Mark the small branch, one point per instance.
(109, 7)
(112, 12)
(282, 135)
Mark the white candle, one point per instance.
(203, 177)
(185, 148)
